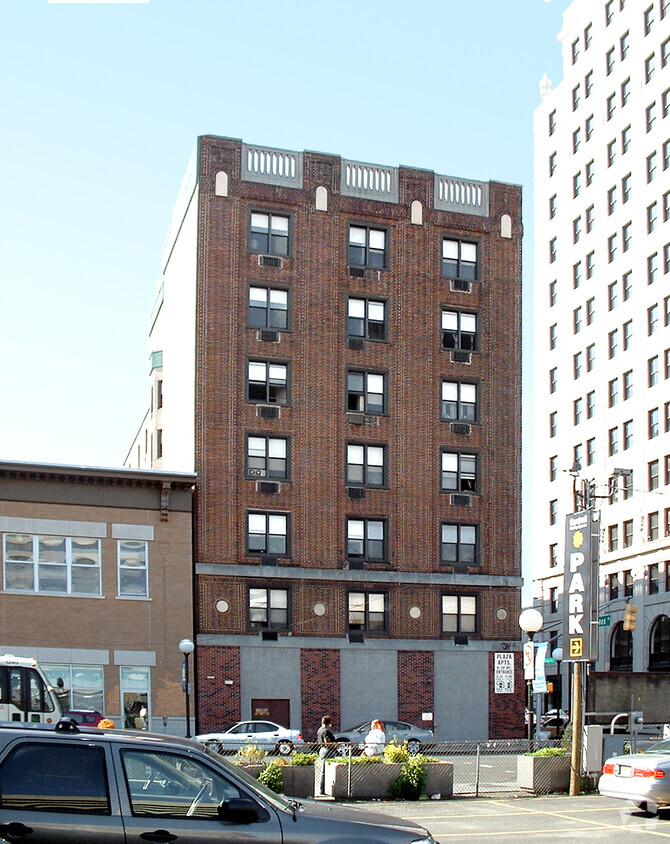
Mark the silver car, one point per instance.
(266, 734)
(401, 731)
(643, 778)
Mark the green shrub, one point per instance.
(548, 751)
(394, 752)
(303, 759)
(252, 753)
(272, 776)
(411, 782)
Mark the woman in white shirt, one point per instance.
(375, 739)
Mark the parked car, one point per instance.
(555, 718)
(71, 784)
(643, 778)
(266, 734)
(89, 717)
(401, 731)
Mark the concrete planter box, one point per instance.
(372, 781)
(298, 780)
(543, 774)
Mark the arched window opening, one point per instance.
(621, 649)
(659, 644)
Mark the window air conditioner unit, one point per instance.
(269, 335)
(267, 411)
(459, 356)
(355, 492)
(461, 640)
(269, 261)
(356, 418)
(356, 565)
(357, 272)
(272, 636)
(268, 560)
(460, 428)
(460, 500)
(356, 637)
(267, 486)
(355, 343)
(461, 286)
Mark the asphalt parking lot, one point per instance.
(553, 818)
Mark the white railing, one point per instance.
(370, 181)
(272, 166)
(468, 197)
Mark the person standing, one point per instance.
(375, 739)
(327, 746)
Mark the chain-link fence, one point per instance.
(484, 768)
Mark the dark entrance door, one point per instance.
(276, 709)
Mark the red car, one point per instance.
(87, 717)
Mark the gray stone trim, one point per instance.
(53, 527)
(368, 181)
(342, 643)
(68, 656)
(359, 576)
(120, 531)
(461, 195)
(271, 166)
(142, 658)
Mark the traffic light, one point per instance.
(550, 687)
(630, 613)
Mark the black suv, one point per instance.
(73, 784)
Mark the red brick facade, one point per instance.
(506, 711)
(315, 347)
(218, 701)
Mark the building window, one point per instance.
(574, 49)
(459, 260)
(652, 268)
(576, 184)
(459, 614)
(269, 234)
(613, 392)
(589, 219)
(267, 307)
(459, 331)
(652, 217)
(612, 343)
(552, 293)
(613, 441)
(611, 248)
(609, 13)
(611, 296)
(652, 320)
(552, 164)
(365, 464)
(654, 579)
(553, 335)
(552, 122)
(368, 611)
(267, 457)
(268, 609)
(577, 274)
(589, 172)
(612, 537)
(626, 237)
(627, 435)
(590, 451)
(590, 357)
(575, 97)
(51, 564)
(627, 285)
(590, 310)
(367, 247)
(133, 559)
(365, 392)
(624, 43)
(366, 318)
(611, 106)
(576, 229)
(648, 20)
(627, 533)
(82, 686)
(652, 418)
(621, 649)
(590, 404)
(267, 382)
(659, 644)
(459, 544)
(652, 474)
(459, 402)
(553, 555)
(576, 139)
(627, 334)
(613, 586)
(459, 472)
(625, 139)
(590, 264)
(609, 61)
(611, 200)
(577, 411)
(611, 153)
(268, 533)
(553, 511)
(649, 68)
(588, 87)
(552, 207)
(553, 468)
(652, 528)
(627, 584)
(577, 320)
(366, 540)
(665, 52)
(577, 365)
(625, 188)
(588, 123)
(553, 417)
(650, 116)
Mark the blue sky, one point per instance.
(101, 106)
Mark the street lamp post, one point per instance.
(530, 621)
(187, 647)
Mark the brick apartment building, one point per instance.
(97, 585)
(335, 350)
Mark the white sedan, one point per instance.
(266, 734)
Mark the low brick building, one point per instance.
(98, 585)
(335, 351)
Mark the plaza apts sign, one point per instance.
(580, 591)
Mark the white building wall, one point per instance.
(586, 20)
